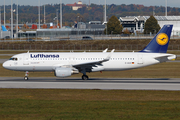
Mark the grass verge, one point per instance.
(54, 104)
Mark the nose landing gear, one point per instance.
(26, 75)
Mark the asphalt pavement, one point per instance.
(94, 83)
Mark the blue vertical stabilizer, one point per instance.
(3, 28)
(159, 44)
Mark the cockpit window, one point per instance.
(14, 59)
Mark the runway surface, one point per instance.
(94, 83)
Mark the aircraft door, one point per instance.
(26, 59)
(140, 59)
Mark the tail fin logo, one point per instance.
(162, 39)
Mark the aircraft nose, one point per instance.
(5, 65)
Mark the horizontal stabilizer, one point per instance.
(166, 56)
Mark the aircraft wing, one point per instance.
(89, 65)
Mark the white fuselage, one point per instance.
(50, 61)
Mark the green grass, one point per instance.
(28, 104)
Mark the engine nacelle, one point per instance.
(65, 72)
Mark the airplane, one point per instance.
(4, 28)
(66, 64)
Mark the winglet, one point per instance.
(105, 50)
(109, 56)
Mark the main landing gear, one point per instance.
(26, 75)
(85, 77)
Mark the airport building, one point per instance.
(78, 29)
(136, 23)
(81, 28)
(133, 23)
(75, 6)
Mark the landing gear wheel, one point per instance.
(85, 77)
(25, 78)
(26, 75)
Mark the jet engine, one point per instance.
(65, 72)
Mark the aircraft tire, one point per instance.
(25, 78)
(85, 77)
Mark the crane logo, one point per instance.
(162, 39)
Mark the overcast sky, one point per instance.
(171, 3)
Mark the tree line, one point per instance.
(114, 26)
